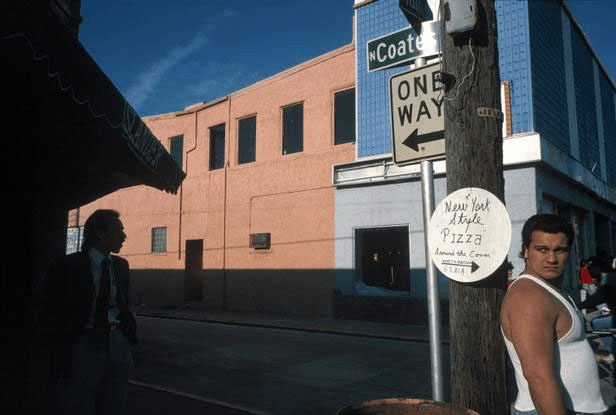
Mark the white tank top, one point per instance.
(575, 361)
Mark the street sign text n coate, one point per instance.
(403, 46)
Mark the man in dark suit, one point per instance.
(87, 322)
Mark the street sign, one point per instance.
(403, 46)
(469, 234)
(417, 123)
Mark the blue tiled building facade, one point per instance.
(532, 40)
(374, 21)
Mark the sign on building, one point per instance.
(417, 122)
(403, 46)
(469, 235)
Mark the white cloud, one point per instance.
(147, 81)
(216, 82)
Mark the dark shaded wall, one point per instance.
(289, 292)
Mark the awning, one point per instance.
(69, 132)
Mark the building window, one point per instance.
(217, 147)
(177, 149)
(293, 129)
(159, 239)
(382, 257)
(247, 140)
(74, 239)
(344, 117)
(74, 232)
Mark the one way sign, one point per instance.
(417, 126)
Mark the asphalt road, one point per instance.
(148, 400)
(189, 367)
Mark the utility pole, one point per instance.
(474, 155)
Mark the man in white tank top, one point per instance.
(555, 368)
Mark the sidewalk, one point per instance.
(407, 332)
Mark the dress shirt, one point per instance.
(96, 259)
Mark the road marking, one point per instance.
(200, 398)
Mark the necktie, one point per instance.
(101, 322)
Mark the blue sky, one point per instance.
(164, 55)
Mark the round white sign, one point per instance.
(469, 234)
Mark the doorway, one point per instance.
(382, 257)
(193, 270)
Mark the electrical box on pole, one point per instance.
(460, 15)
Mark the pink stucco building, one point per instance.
(252, 226)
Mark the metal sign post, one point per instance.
(416, 103)
(434, 309)
(431, 147)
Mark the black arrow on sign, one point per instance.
(414, 139)
(474, 267)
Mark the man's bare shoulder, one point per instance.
(527, 306)
(526, 297)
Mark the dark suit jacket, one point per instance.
(68, 301)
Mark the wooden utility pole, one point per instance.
(474, 154)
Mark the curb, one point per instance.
(313, 329)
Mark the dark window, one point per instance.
(293, 129)
(217, 147)
(247, 140)
(159, 239)
(260, 240)
(383, 257)
(177, 150)
(344, 117)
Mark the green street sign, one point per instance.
(403, 46)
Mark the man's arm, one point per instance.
(54, 292)
(128, 321)
(124, 277)
(53, 319)
(532, 314)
